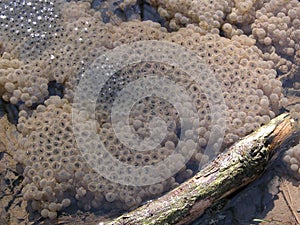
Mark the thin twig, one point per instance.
(287, 197)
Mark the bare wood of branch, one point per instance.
(236, 167)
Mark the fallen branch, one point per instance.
(238, 166)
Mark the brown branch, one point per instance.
(239, 165)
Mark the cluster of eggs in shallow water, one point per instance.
(57, 41)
